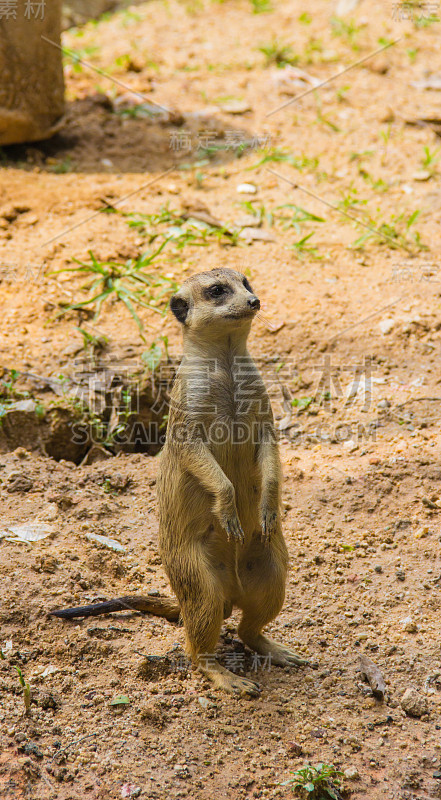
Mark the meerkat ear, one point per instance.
(179, 307)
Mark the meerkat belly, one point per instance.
(239, 465)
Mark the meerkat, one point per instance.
(219, 485)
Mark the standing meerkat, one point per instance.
(219, 482)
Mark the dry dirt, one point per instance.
(356, 331)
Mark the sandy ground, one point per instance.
(352, 334)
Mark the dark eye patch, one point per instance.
(217, 291)
(247, 285)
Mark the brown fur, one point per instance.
(220, 533)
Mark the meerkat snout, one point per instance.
(254, 302)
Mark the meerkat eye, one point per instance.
(217, 291)
(247, 285)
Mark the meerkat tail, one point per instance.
(158, 606)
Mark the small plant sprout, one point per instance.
(92, 342)
(258, 211)
(302, 249)
(350, 199)
(261, 6)
(76, 57)
(321, 119)
(430, 159)
(378, 184)
(26, 690)
(170, 225)
(199, 179)
(295, 215)
(384, 41)
(385, 135)
(424, 21)
(9, 393)
(361, 155)
(319, 782)
(277, 53)
(154, 355)
(342, 92)
(146, 222)
(348, 31)
(7, 386)
(394, 234)
(140, 111)
(128, 282)
(301, 403)
(60, 167)
(278, 155)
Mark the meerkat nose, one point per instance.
(254, 302)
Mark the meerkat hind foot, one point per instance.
(230, 682)
(279, 654)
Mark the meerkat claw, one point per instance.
(234, 531)
(269, 524)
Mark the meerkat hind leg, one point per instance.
(250, 631)
(203, 615)
(264, 586)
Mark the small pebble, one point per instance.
(294, 749)
(351, 773)
(246, 188)
(409, 625)
(386, 326)
(49, 512)
(413, 703)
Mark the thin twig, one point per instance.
(77, 741)
(420, 400)
(332, 78)
(76, 59)
(359, 221)
(364, 319)
(100, 211)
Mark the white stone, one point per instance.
(246, 188)
(386, 326)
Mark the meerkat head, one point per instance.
(221, 300)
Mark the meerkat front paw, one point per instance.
(233, 529)
(269, 523)
(226, 512)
